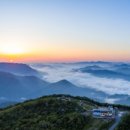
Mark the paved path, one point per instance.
(117, 120)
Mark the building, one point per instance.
(107, 112)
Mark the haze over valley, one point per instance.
(101, 81)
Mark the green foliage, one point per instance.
(55, 112)
(45, 113)
(125, 123)
(106, 125)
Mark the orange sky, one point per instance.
(64, 56)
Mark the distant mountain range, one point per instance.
(18, 69)
(7, 103)
(103, 72)
(19, 82)
(122, 68)
(94, 62)
(14, 87)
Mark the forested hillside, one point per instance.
(58, 112)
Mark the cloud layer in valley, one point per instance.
(56, 72)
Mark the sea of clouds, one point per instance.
(56, 72)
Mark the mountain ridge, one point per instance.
(18, 69)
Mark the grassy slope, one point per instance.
(51, 113)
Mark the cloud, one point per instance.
(3, 98)
(111, 100)
(23, 99)
(65, 71)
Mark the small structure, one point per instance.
(107, 112)
(64, 98)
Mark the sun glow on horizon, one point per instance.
(12, 49)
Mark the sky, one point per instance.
(64, 30)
